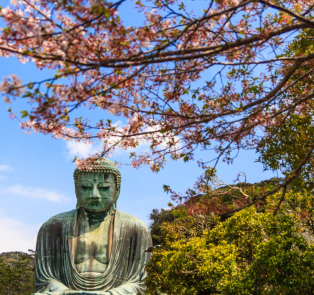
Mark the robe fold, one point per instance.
(125, 272)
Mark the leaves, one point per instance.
(24, 114)
(16, 273)
(249, 253)
(287, 146)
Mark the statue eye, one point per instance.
(85, 187)
(104, 187)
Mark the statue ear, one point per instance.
(76, 183)
(116, 199)
(78, 205)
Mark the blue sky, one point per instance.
(36, 171)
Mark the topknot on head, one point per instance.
(98, 165)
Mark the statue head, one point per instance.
(97, 189)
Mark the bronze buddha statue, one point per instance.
(94, 249)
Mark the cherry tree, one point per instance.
(249, 79)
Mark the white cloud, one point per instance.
(3, 177)
(84, 150)
(80, 149)
(5, 168)
(16, 235)
(34, 192)
(118, 123)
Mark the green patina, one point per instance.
(94, 249)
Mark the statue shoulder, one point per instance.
(130, 218)
(59, 218)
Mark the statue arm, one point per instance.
(86, 293)
(54, 288)
(47, 260)
(134, 283)
(76, 293)
(128, 289)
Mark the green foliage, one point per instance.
(158, 217)
(302, 44)
(16, 274)
(299, 206)
(210, 195)
(286, 142)
(249, 253)
(287, 147)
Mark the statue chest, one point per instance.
(92, 247)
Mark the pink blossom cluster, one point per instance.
(11, 85)
(181, 81)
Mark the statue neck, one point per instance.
(95, 217)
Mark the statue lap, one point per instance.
(55, 258)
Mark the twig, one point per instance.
(284, 184)
(281, 199)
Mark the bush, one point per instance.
(249, 253)
(16, 274)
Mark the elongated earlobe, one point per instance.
(116, 200)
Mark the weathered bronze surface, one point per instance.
(94, 249)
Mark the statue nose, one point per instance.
(95, 193)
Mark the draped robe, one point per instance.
(126, 269)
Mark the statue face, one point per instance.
(96, 191)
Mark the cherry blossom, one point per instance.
(236, 51)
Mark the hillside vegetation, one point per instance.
(263, 249)
(16, 273)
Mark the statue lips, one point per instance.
(94, 203)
